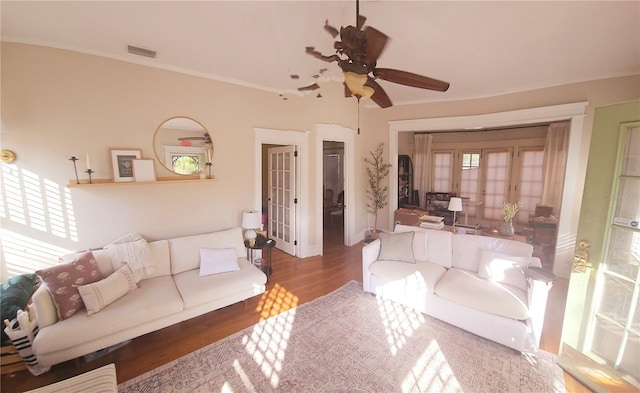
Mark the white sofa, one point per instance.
(173, 293)
(474, 282)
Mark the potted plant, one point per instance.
(377, 170)
(509, 211)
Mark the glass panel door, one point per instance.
(614, 331)
(496, 187)
(442, 171)
(282, 197)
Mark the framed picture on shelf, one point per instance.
(122, 160)
(143, 170)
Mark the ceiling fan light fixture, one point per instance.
(356, 84)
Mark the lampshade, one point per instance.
(356, 84)
(251, 220)
(455, 204)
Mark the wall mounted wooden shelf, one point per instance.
(111, 183)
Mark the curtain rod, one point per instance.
(482, 129)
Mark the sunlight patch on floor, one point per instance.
(399, 323)
(267, 343)
(243, 376)
(431, 372)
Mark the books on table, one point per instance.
(432, 222)
(432, 225)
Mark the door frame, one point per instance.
(336, 133)
(300, 139)
(575, 170)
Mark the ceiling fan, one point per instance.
(357, 53)
(186, 141)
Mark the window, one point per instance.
(442, 171)
(496, 184)
(470, 181)
(470, 161)
(529, 182)
(185, 160)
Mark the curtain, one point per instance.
(422, 177)
(555, 160)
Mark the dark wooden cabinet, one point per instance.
(437, 204)
(405, 181)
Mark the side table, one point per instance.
(539, 274)
(261, 244)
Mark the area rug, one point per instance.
(351, 341)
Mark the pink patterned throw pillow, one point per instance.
(63, 280)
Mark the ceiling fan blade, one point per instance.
(360, 21)
(313, 52)
(379, 96)
(313, 86)
(332, 30)
(410, 79)
(376, 41)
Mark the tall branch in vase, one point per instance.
(377, 170)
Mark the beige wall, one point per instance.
(57, 103)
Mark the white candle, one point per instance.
(88, 162)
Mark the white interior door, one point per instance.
(282, 197)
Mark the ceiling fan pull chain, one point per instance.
(358, 98)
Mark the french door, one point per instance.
(282, 195)
(602, 318)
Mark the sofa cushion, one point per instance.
(185, 251)
(160, 253)
(396, 247)
(218, 260)
(471, 290)
(46, 312)
(62, 281)
(196, 290)
(430, 245)
(155, 299)
(100, 294)
(466, 249)
(418, 276)
(503, 268)
(101, 256)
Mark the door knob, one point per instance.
(581, 257)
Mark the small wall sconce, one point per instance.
(7, 156)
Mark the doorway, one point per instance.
(573, 181)
(333, 192)
(300, 141)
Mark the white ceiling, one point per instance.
(482, 48)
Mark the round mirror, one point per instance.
(183, 146)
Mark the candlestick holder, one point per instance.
(208, 164)
(75, 169)
(89, 172)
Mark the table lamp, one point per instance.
(251, 222)
(455, 205)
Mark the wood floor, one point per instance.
(294, 281)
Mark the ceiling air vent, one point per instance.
(141, 51)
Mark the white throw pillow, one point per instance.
(100, 294)
(397, 247)
(503, 268)
(218, 260)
